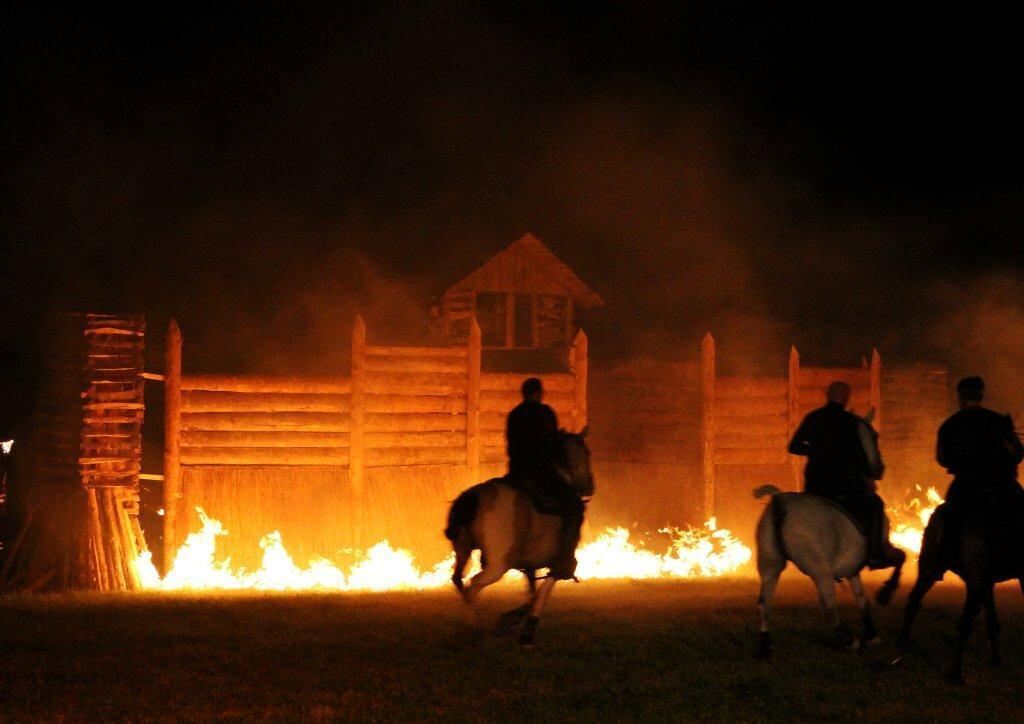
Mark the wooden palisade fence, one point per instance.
(748, 421)
(400, 408)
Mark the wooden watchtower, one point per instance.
(523, 298)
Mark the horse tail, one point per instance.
(777, 511)
(462, 513)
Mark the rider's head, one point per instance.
(533, 390)
(971, 391)
(839, 392)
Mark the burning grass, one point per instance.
(650, 650)
(692, 553)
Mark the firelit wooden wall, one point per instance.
(342, 463)
(915, 401)
(644, 432)
(675, 442)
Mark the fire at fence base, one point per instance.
(693, 553)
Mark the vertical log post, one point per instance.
(794, 410)
(876, 387)
(358, 423)
(172, 441)
(579, 365)
(707, 423)
(473, 355)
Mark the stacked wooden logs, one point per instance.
(73, 493)
(111, 446)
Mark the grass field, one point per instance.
(608, 651)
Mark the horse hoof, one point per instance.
(764, 646)
(529, 628)
(512, 618)
(884, 595)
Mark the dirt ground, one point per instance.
(608, 651)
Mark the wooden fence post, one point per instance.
(473, 355)
(579, 365)
(172, 441)
(876, 387)
(794, 410)
(707, 422)
(358, 414)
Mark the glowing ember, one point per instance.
(6, 446)
(908, 522)
(697, 552)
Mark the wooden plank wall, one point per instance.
(427, 409)
(916, 400)
(749, 421)
(645, 424)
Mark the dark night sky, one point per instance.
(777, 173)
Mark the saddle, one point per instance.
(858, 524)
(543, 501)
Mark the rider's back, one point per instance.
(979, 446)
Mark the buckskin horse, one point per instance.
(502, 523)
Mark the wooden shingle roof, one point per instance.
(525, 263)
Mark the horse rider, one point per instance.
(982, 450)
(839, 470)
(532, 442)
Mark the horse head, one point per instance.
(869, 441)
(574, 461)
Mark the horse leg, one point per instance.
(884, 595)
(491, 573)
(827, 599)
(871, 636)
(517, 614)
(463, 552)
(539, 602)
(973, 603)
(769, 580)
(992, 627)
(924, 583)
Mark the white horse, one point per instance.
(824, 543)
(511, 534)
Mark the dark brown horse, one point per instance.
(981, 548)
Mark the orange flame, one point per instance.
(697, 552)
(909, 521)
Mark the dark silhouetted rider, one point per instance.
(532, 438)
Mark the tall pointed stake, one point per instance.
(707, 423)
(357, 424)
(794, 410)
(172, 441)
(579, 365)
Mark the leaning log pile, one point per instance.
(74, 492)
